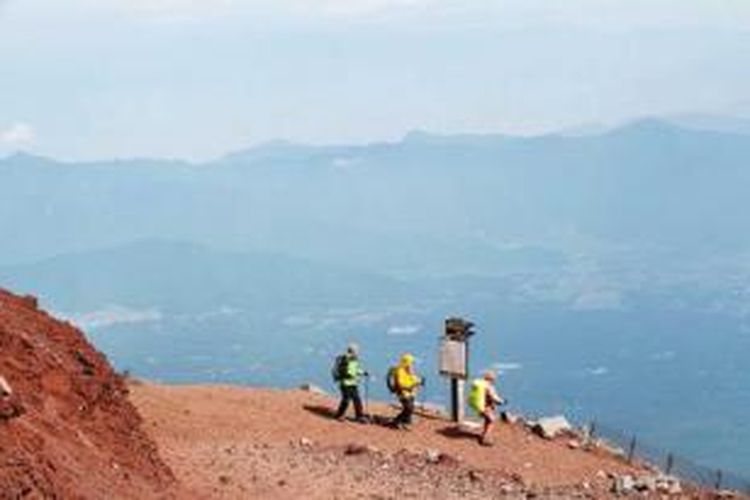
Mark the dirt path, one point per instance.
(232, 442)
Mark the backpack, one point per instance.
(339, 369)
(391, 380)
(477, 395)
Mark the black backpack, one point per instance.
(391, 380)
(339, 369)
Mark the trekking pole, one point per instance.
(367, 394)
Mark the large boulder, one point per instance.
(551, 427)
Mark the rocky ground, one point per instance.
(232, 442)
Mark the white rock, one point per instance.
(307, 387)
(623, 485)
(5, 389)
(432, 456)
(509, 418)
(551, 427)
(646, 483)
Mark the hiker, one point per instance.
(347, 372)
(483, 399)
(404, 383)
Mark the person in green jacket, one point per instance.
(347, 373)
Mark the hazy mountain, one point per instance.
(715, 123)
(176, 277)
(428, 204)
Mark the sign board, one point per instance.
(453, 358)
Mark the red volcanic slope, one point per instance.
(68, 430)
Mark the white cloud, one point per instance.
(111, 316)
(403, 330)
(598, 300)
(17, 134)
(598, 371)
(502, 368)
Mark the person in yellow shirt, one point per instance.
(405, 384)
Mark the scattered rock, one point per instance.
(5, 389)
(646, 484)
(359, 449)
(726, 494)
(432, 456)
(623, 485)
(10, 404)
(573, 444)
(87, 367)
(551, 427)
(668, 485)
(475, 476)
(601, 474)
(30, 302)
(507, 489)
(611, 449)
(431, 409)
(448, 459)
(308, 387)
(509, 418)
(224, 479)
(305, 442)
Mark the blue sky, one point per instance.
(83, 79)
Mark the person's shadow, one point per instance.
(456, 432)
(321, 411)
(330, 414)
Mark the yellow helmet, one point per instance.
(407, 359)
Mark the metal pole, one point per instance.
(457, 398)
(631, 450)
(454, 400)
(718, 479)
(367, 394)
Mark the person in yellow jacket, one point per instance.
(406, 384)
(483, 399)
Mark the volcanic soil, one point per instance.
(231, 442)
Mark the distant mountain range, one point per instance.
(428, 205)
